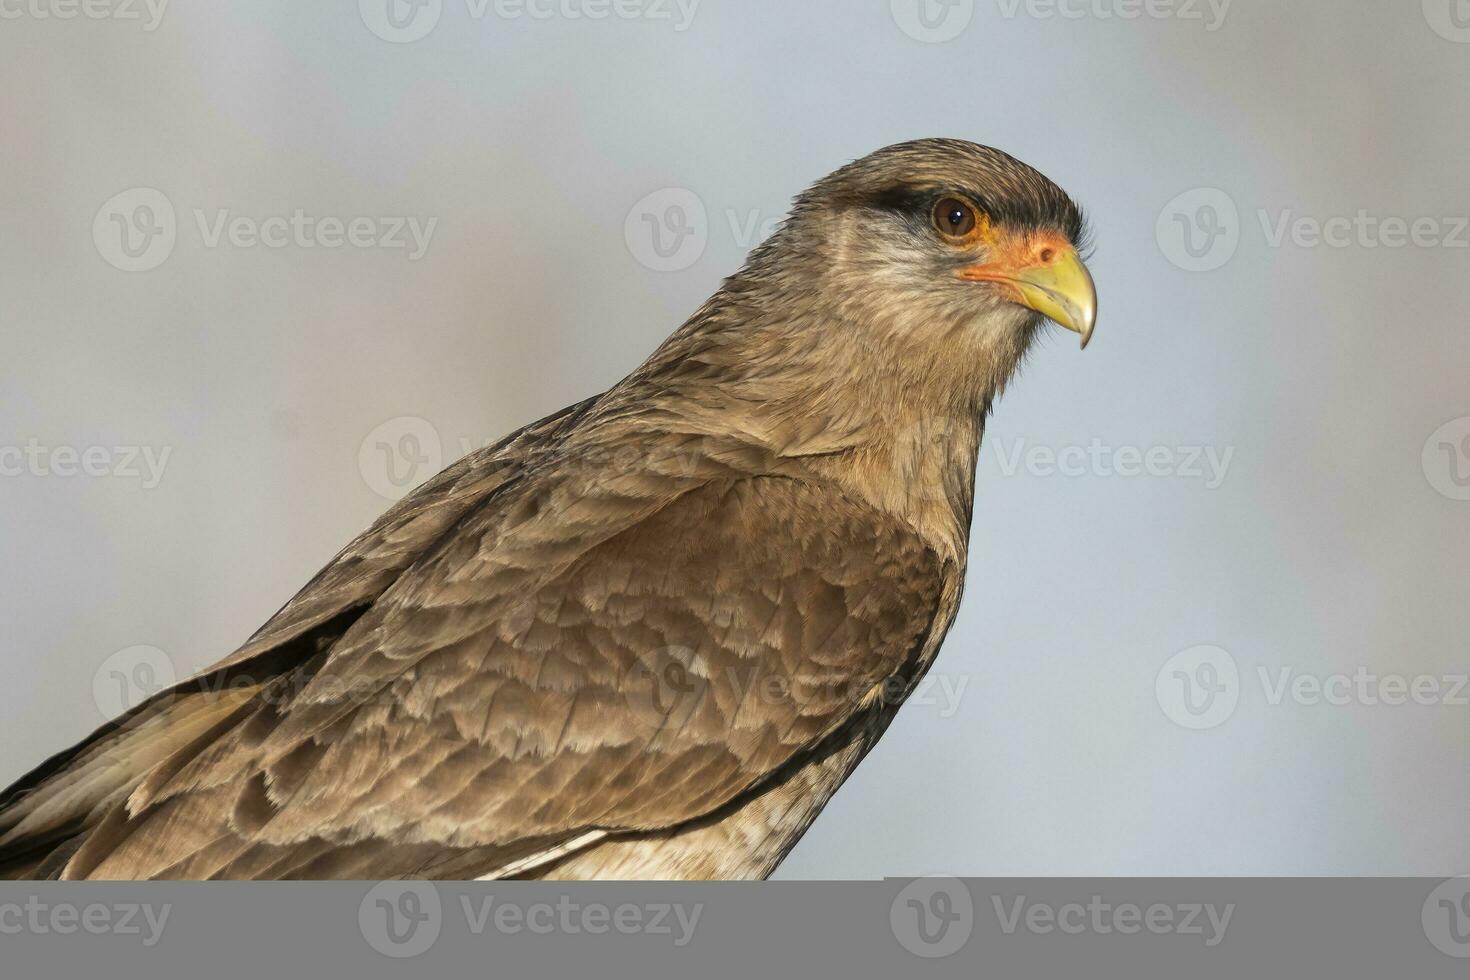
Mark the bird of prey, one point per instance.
(648, 636)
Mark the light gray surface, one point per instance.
(1333, 544)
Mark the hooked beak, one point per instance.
(1050, 279)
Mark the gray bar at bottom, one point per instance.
(928, 927)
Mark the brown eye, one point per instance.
(954, 218)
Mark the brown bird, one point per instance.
(648, 636)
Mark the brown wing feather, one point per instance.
(507, 693)
(71, 791)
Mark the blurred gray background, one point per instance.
(1216, 618)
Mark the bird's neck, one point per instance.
(896, 427)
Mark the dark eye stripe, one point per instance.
(1049, 210)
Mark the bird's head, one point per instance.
(906, 284)
(949, 233)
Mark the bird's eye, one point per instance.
(954, 218)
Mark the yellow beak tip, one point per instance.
(1064, 292)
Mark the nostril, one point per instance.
(1048, 254)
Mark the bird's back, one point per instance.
(600, 649)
